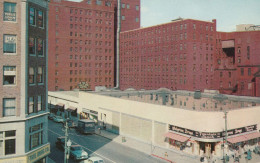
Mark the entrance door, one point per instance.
(208, 149)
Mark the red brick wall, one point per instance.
(156, 56)
(81, 40)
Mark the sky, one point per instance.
(228, 13)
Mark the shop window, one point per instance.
(9, 107)
(9, 75)
(9, 11)
(40, 75)
(31, 105)
(32, 16)
(32, 46)
(40, 106)
(40, 47)
(9, 43)
(36, 136)
(31, 75)
(40, 19)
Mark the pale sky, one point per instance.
(228, 13)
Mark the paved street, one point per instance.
(96, 146)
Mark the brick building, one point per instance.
(237, 71)
(82, 39)
(23, 88)
(175, 55)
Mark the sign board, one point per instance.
(212, 135)
(9, 16)
(38, 154)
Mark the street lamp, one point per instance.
(68, 148)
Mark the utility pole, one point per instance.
(66, 140)
(225, 145)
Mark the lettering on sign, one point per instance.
(8, 16)
(10, 39)
(212, 135)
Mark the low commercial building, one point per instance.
(191, 122)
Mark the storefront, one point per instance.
(39, 155)
(210, 143)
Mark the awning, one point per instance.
(60, 104)
(71, 108)
(176, 137)
(242, 138)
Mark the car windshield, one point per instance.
(77, 148)
(101, 161)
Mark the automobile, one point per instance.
(60, 142)
(94, 159)
(71, 123)
(58, 119)
(77, 153)
(51, 116)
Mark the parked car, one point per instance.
(58, 119)
(71, 124)
(51, 116)
(93, 159)
(77, 152)
(60, 142)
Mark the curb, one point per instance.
(162, 158)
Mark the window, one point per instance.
(32, 16)
(123, 5)
(123, 17)
(137, 8)
(40, 19)
(127, 6)
(31, 105)
(40, 107)
(36, 136)
(98, 2)
(9, 43)
(9, 11)
(40, 47)
(31, 46)
(40, 75)
(9, 146)
(9, 75)
(9, 107)
(136, 19)
(242, 71)
(248, 52)
(31, 75)
(89, 2)
(249, 71)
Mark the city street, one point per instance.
(95, 146)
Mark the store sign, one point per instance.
(212, 135)
(9, 16)
(10, 39)
(38, 154)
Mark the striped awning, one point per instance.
(242, 138)
(60, 104)
(176, 137)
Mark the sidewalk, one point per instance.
(171, 156)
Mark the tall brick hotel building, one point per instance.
(184, 54)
